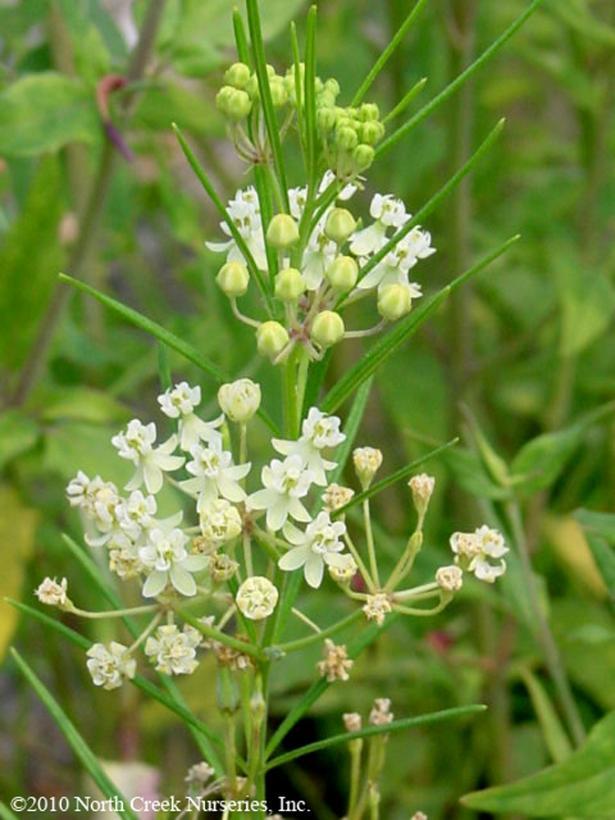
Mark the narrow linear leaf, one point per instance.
(398, 475)
(440, 98)
(6, 813)
(241, 40)
(404, 330)
(604, 556)
(388, 51)
(405, 101)
(162, 334)
(370, 731)
(598, 523)
(310, 95)
(555, 737)
(351, 428)
(74, 739)
(271, 123)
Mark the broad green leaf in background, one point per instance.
(604, 556)
(76, 742)
(197, 35)
(598, 523)
(83, 404)
(581, 786)
(587, 301)
(18, 434)
(17, 531)
(29, 260)
(538, 463)
(571, 546)
(43, 112)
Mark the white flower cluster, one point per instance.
(480, 552)
(323, 267)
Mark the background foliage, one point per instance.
(519, 364)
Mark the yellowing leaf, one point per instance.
(569, 543)
(17, 529)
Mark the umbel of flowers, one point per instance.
(220, 549)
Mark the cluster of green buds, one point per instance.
(347, 135)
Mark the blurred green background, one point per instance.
(525, 353)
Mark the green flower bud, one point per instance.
(252, 87)
(394, 301)
(339, 225)
(237, 75)
(282, 231)
(343, 273)
(346, 138)
(363, 156)
(289, 285)
(279, 92)
(327, 328)
(234, 104)
(326, 119)
(332, 86)
(271, 339)
(371, 132)
(369, 111)
(325, 100)
(233, 278)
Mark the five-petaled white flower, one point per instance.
(393, 269)
(215, 475)
(173, 651)
(166, 558)
(99, 501)
(319, 432)
(388, 212)
(179, 403)
(320, 544)
(474, 552)
(285, 482)
(136, 444)
(108, 666)
(51, 593)
(136, 513)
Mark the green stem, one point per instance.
(371, 548)
(302, 643)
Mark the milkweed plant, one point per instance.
(227, 571)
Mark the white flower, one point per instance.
(257, 598)
(320, 544)
(245, 213)
(394, 267)
(168, 562)
(344, 569)
(422, 487)
(108, 666)
(240, 399)
(473, 551)
(335, 664)
(200, 773)
(99, 501)
(136, 513)
(352, 721)
(215, 475)
(51, 593)
(450, 579)
(179, 403)
(174, 651)
(381, 714)
(220, 522)
(319, 432)
(285, 483)
(136, 444)
(388, 212)
(335, 497)
(124, 557)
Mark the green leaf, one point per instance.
(471, 475)
(555, 737)
(604, 556)
(581, 786)
(403, 330)
(18, 434)
(598, 523)
(370, 731)
(6, 813)
(538, 464)
(76, 742)
(83, 404)
(587, 304)
(30, 254)
(17, 532)
(43, 112)
(351, 428)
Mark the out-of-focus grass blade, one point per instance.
(405, 100)
(351, 428)
(555, 737)
(162, 334)
(310, 95)
(241, 40)
(6, 813)
(164, 368)
(271, 123)
(440, 98)
(404, 330)
(388, 51)
(370, 731)
(76, 742)
(435, 200)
